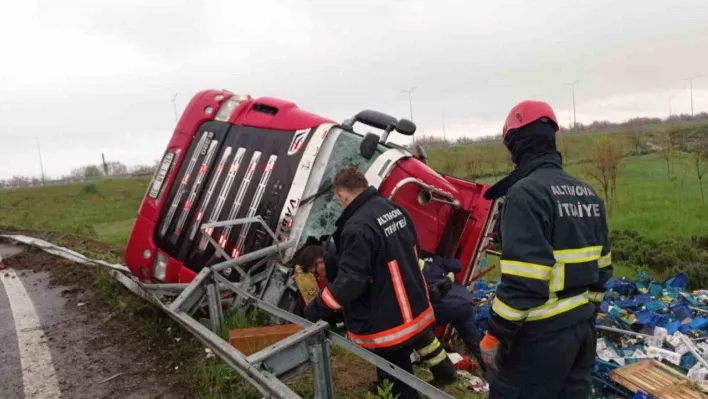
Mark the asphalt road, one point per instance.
(27, 305)
(57, 341)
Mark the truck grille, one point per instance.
(215, 184)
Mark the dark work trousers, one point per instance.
(443, 370)
(461, 316)
(553, 365)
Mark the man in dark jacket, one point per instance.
(379, 286)
(555, 262)
(452, 302)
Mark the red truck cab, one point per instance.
(232, 156)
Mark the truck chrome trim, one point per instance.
(412, 180)
(307, 178)
(312, 173)
(210, 191)
(255, 202)
(183, 184)
(224, 237)
(383, 164)
(203, 171)
(225, 189)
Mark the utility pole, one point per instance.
(174, 105)
(444, 133)
(572, 90)
(41, 166)
(410, 104)
(690, 83)
(670, 111)
(105, 165)
(410, 99)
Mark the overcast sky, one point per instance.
(85, 76)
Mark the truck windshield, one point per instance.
(326, 208)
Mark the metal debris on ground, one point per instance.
(659, 325)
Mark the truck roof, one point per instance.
(274, 113)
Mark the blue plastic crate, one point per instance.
(645, 317)
(656, 290)
(679, 281)
(656, 306)
(688, 361)
(681, 312)
(672, 327)
(626, 304)
(699, 323)
(642, 299)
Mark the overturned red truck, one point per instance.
(232, 156)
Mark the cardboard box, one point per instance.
(251, 340)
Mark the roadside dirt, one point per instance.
(96, 353)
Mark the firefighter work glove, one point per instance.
(490, 348)
(439, 289)
(313, 312)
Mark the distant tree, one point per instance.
(667, 151)
(87, 172)
(603, 165)
(19, 181)
(699, 161)
(116, 168)
(140, 170)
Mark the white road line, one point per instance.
(38, 375)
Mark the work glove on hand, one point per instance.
(492, 351)
(317, 310)
(439, 289)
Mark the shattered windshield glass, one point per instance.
(326, 208)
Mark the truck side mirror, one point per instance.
(421, 154)
(368, 145)
(405, 127)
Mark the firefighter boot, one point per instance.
(435, 357)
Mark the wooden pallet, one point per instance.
(656, 379)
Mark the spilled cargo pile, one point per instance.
(660, 325)
(642, 319)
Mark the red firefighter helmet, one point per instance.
(527, 112)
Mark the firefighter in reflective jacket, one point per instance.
(379, 285)
(555, 262)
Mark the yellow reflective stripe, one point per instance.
(605, 260)
(430, 348)
(557, 278)
(596, 296)
(578, 255)
(437, 359)
(507, 311)
(557, 307)
(525, 269)
(421, 263)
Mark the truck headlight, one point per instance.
(228, 107)
(159, 268)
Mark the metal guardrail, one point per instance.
(262, 369)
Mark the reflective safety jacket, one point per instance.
(555, 258)
(379, 284)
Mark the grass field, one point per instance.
(105, 210)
